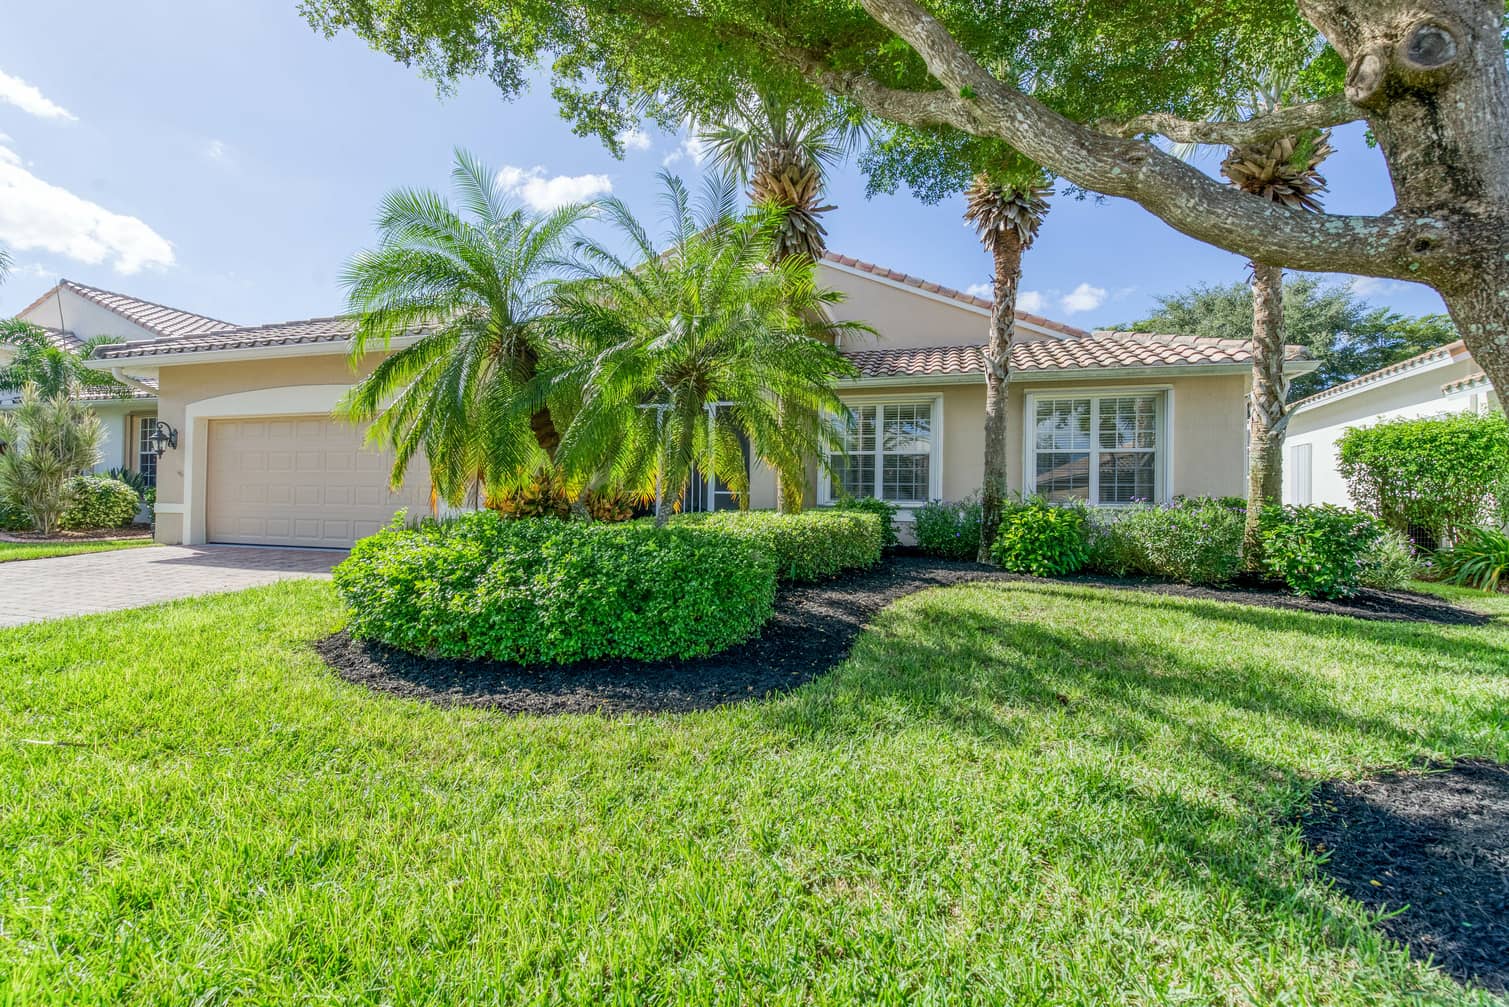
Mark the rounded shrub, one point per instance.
(885, 511)
(1043, 540)
(99, 502)
(948, 529)
(1320, 552)
(809, 546)
(1193, 542)
(543, 591)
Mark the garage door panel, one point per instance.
(306, 481)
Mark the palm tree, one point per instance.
(5, 264)
(55, 370)
(474, 283)
(687, 351)
(1007, 216)
(782, 150)
(1281, 171)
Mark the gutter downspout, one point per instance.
(119, 374)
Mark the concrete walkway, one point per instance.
(37, 589)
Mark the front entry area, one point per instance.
(300, 481)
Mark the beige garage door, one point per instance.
(301, 480)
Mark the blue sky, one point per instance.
(221, 157)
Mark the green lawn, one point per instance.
(1029, 793)
(10, 551)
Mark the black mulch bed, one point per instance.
(811, 632)
(1434, 845)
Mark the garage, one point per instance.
(300, 481)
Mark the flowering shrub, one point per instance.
(1320, 552)
(1043, 540)
(547, 591)
(1195, 541)
(1391, 563)
(950, 530)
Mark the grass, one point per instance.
(12, 551)
(1036, 793)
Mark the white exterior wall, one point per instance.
(83, 318)
(1413, 394)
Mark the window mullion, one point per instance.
(1094, 452)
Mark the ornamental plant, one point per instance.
(50, 440)
(810, 546)
(1043, 539)
(99, 502)
(1320, 552)
(1480, 559)
(1438, 475)
(544, 591)
(1197, 541)
(885, 511)
(950, 530)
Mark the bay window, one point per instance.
(1103, 449)
(888, 450)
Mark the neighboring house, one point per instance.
(1442, 380)
(71, 313)
(1114, 417)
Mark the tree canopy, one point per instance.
(1346, 334)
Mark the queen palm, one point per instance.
(36, 359)
(474, 284)
(687, 349)
(1281, 171)
(1007, 215)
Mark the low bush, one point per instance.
(809, 546)
(13, 519)
(99, 502)
(1043, 539)
(545, 591)
(1320, 552)
(1391, 563)
(1479, 559)
(1194, 541)
(950, 530)
(881, 509)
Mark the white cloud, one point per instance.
(35, 214)
(692, 148)
(1373, 286)
(1031, 301)
(15, 91)
(1083, 298)
(216, 150)
(985, 290)
(531, 185)
(634, 139)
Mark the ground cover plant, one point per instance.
(544, 591)
(1028, 792)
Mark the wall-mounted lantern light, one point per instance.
(163, 438)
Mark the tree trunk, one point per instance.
(1268, 415)
(1481, 313)
(1006, 251)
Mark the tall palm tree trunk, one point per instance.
(1268, 414)
(1006, 253)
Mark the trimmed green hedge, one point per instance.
(543, 591)
(1193, 541)
(809, 546)
(99, 502)
(889, 539)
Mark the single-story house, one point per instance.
(1439, 381)
(1108, 417)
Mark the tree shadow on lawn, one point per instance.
(1213, 751)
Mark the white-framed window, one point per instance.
(146, 452)
(890, 449)
(1108, 448)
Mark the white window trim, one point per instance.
(825, 496)
(1163, 478)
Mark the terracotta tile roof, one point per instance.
(1095, 351)
(156, 318)
(311, 330)
(949, 292)
(1428, 357)
(1467, 384)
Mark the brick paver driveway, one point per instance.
(37, 589)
